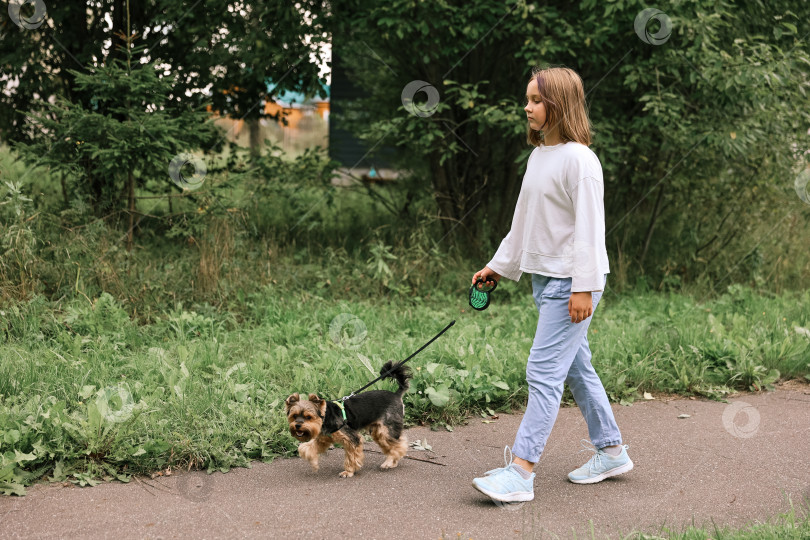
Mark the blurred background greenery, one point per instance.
(703, 138)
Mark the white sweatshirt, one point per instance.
(558, 229)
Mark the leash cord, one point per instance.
(398, 365)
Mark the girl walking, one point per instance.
(558, 236)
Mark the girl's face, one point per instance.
(535, 110)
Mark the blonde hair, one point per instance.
(562, 93)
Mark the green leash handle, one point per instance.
(479, 293)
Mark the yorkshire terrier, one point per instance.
(318, 423)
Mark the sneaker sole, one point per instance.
(516, 496)
(607, 474)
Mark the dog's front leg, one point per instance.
(353, 447)
(312, 450)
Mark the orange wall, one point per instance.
(234, 126)
(294, 115)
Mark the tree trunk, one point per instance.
(507, 201)
(443, 195)
(64, 190)
(651, 226)
(131, 181)
(255, 130)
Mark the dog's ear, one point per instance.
(292, 400)
(319, 403)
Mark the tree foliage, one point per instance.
(690, 129)
(700, 128)
(130, 130)
(110, 116)
(217, 51)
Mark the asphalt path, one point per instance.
(696, 461)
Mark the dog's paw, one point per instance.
(388, 464)
(346, 474)
(305, 450)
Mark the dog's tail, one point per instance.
(399, 372)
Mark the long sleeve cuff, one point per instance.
(512, 272)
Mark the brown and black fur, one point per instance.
(318, 423)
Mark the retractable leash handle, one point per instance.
(479, 295)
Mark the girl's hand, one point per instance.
(580, 306)
(487, 274)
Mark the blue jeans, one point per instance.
(560, 354)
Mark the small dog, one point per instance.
(318, 423)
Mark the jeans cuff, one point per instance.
(517, 451)
(613, 442)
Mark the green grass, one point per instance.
(86, 393)
(794, 524)
(791, 525)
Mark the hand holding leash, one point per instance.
(480, 291)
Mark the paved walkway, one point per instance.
(731, 463)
